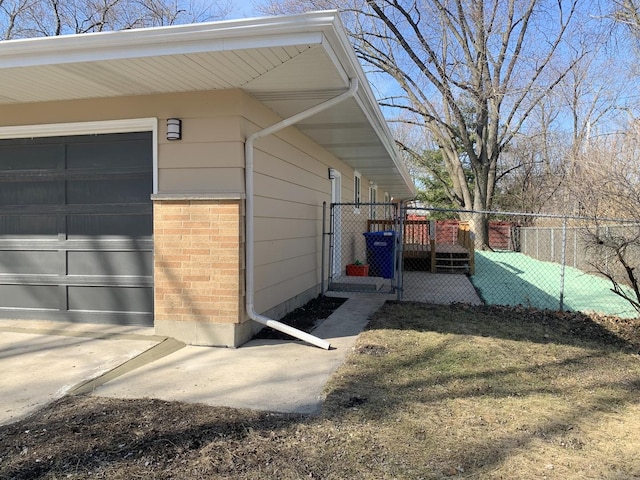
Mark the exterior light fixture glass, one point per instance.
(174, 129)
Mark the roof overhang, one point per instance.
(289, 63)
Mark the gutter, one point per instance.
(249, 214)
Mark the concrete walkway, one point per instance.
(273, 375)
(42, 362)
(439, 288)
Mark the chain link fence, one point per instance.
(545, 261)
(540, 261)
(364, 247)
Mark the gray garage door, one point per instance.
(76, 228)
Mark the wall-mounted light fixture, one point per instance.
(174, 129)
(332, 173)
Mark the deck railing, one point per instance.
(420, 241)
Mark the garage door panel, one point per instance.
(25, 155)
(28, 225)
(29, 297)
(110, 263)
(76, 228)
(83, 226)
(101, 191)
(30, 262)
(110, 151)
(111, 299)
(30, 192)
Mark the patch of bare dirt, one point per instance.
(305, 318)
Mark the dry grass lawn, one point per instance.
(429, 392)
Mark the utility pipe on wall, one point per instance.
(249, 214)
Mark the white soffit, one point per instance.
(289, 63)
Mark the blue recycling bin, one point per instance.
(380, 253)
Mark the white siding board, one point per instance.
(275, 55)
(106, 76)
(147, 73)
(196, 79)
(220, 64)
(254, 62)
(240, 64)
(207, 75)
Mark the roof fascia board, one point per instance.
(265, 32)
(90, 51)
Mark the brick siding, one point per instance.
(198, 260)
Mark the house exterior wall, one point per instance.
(198, 263)
(198, 207)
(291, 183)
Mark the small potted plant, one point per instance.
(358, 269)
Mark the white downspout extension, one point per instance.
(249, 215)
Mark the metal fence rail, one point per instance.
(539, 261)
(546, 262)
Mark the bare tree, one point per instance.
(627, 12)
(468, 71)
(37, 18)
(608, 187)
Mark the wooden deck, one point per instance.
(440, 257)
(422, 253)
(417, 250)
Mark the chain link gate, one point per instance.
(364, 248)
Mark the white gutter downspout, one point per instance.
(249, 214)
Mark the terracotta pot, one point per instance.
(354, 270)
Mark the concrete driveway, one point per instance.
(41, 364)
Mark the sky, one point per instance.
(243, 9)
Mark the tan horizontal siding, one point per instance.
(210, 104)
(269, 297)
(267, 186)
(300, 156)
(204, 180)
(271, 229)
(201, 155)
(273, 252)
(287, 209)
(272, 294)
(278, 272)
(291, 183)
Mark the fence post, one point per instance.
(332, 244)
(400, 212)
(324, 246)
(563, 262)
